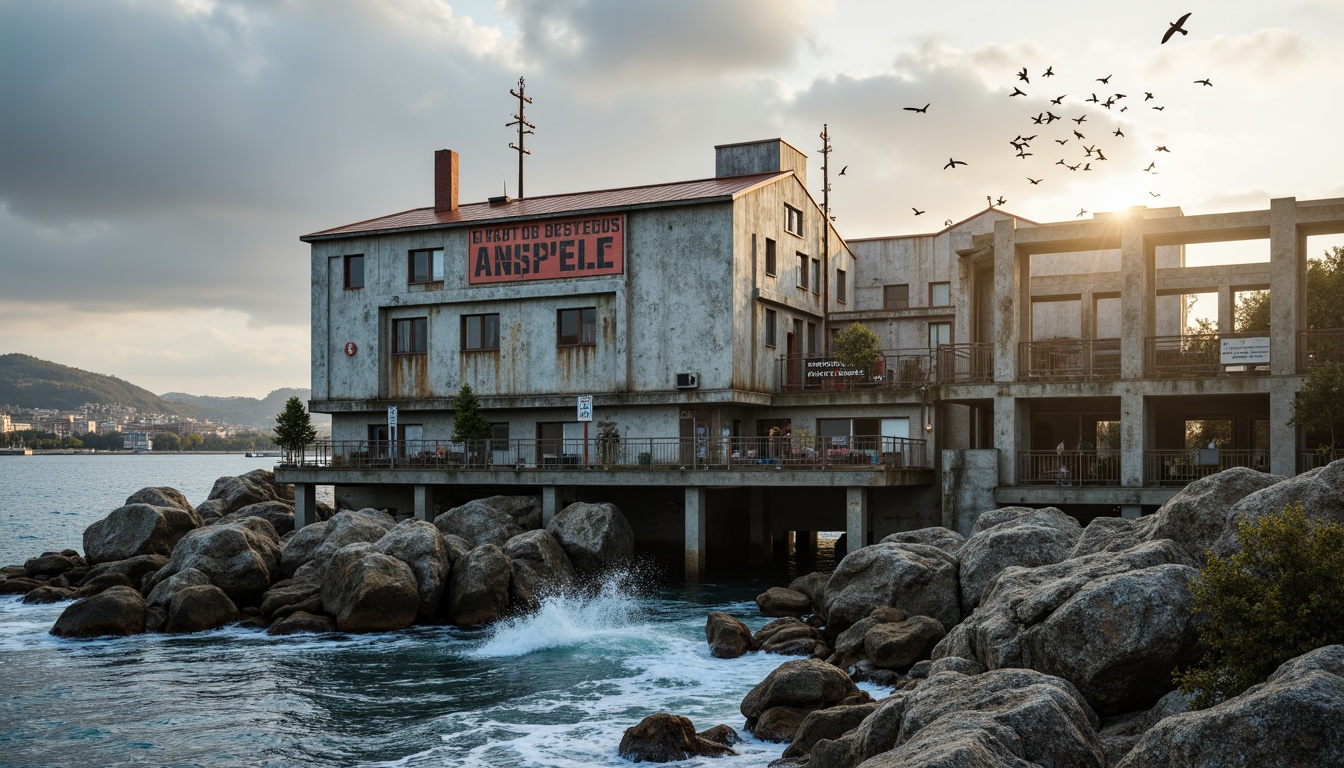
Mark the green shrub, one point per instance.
(1277, 599)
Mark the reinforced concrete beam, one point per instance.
(305, 504)
(695, 533)
(856, 517)
(424, 510)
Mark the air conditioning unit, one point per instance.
(688, 381)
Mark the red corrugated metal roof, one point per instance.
(534, 207)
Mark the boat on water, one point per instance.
(263, 454)
(16, 451)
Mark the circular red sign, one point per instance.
(350, 349)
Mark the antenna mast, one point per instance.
(524, 128)
(825, 236)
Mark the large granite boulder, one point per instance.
(116, 611)
(231, 494)
(796, 688)
(595, 536)
(789, 636)
(135, 569)
(301, 622)
(418, 544)
(812, 584)
(830, 723)
(919, 579)
(1012, 536)
(849, 645)
(368, 591)
(728, 638)
(779, 601)
(280, 514)
(539, 567)
(945, 539)
(664, 738)
(480, 522)
(1111, 534)
(897, 645)
(319, 541)
(478, 592)
(1198, 514)
(1010, 717)
(51, 564)
(137, 529)
(1321, 492)
(1291, 719)
(198, 608)
(162, 594)
(242, 558)
(161, 496)
(1112, 624)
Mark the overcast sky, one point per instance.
(159, 159)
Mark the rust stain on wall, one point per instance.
(408, 376)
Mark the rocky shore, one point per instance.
(1035, 642)
(158, 564)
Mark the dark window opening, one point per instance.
(577, 327)
(426, 265)
(354, 271)
(410, 336)
(480, 332)
(769, 257)
(895, 296)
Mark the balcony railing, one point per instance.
(1065, 359)
(1195, 355)
(1068, 467)
(1183, 466)
(639, 453)
(898, 369)
(1318, 346)
(1309, 460)
(965, 363)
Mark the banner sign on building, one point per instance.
(586, 246)
(1245, 351)
(831, 369)
(585, 408)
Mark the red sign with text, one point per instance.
(582, 247)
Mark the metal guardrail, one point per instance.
(965, 363)
(1309, 460)
(640, 453)
(898, 369)
(1087, 467)
(1064, 359)
(1318, 346)
(1194, 355)
(1184, 466)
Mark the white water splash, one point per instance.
(571, 618)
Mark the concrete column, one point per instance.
(1227, 300)
(1133, 442)
(1138, 296)
(856, 517)
(762, 543)
(807, 543)
(1006, 430)
(1282, 437)
(550, 502)
(695, 533)
(305, 504)
(424, 509)
(1131, 511)
(1012, 303)
(1088, 308)
(1287, 288)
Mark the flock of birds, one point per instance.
(1092, 154)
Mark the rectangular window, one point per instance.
(499, 436)
(771, 321)
(354, 271)
(812, 338)
(769, 257)
(939, 333)
(940, 294)
(840, 286)
(410, 336)
(895, 297)
(426, 266)
(802, 270)
(816, 276)
(480, 332)
(577, 327)
(793, 220)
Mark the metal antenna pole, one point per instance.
(825, 236)
(524, 128)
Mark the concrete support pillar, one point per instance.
(1133, 439)
(305, 504)
(1088, 327)
(1007, 412)
(856, 517)
(1287, 286)
(1131, 511)
(424, 508)
(1227, 300)
(1282, 437)
(1138, 296)
(695, 533)
(807, 543)
(762, 543)
(550, 502)
(1012, 305)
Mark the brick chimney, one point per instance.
(445, 181)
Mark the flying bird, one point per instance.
(917, 211)
(1147, 96)
(1108, 103)
(1027, 138)
(989, 200)
(1034, 181)
(1205, 81)
(1089, 150)
(1061, 162)
(1061, 142)
(953, 164)
(1081, 213)
(1001, 200)
(1023, 155)
(1049, 72)
(1078, 135)
(1149, 168)
(947, 222)
(1059, 100)
(1104, 80)
(1017, 92)
(1092, 100)
(1124, 109)
(1118, 96)
(1159, 109)
(1162, 148)
(1155, 194)
(1079, 120)
(1174, 28)
(1072, 167)
(1119, 132)
(1038, 119)
(842, 171)
(1023, 75)
(1051, 117)
(920, 110)
(1087, 167)
(1100, 156)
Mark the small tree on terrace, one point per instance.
(1319, 407)
(469, 423)
(858, 347)
(293, 429)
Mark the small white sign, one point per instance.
(392, 418)
(585, 407)
(1245, 351)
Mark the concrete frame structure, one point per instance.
(693, 295)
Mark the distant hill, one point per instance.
(243, 410)
(28, 382)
